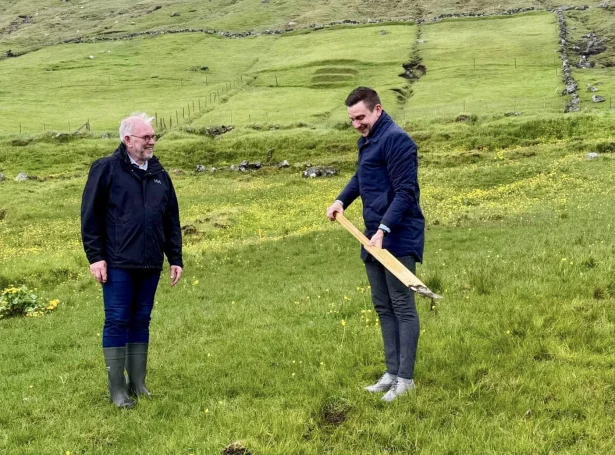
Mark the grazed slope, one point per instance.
(49, 21)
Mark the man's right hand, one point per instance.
(334, 208)
(99, 271)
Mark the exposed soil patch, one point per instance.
(235, 448)
(334, 412)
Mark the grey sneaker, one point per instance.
(383, 384)
(399, 387)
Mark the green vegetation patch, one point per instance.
(491, 65)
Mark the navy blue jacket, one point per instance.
(130, 218)
(386, 180)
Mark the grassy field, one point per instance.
(49, 22)
(488, 67)
(269, 338)
(265, 81)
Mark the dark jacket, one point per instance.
(386, 180)
(130, 218)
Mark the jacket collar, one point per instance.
(377, 130)
(153, 165)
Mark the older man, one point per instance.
(129, 221)
(386, 181)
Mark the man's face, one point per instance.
(362, 118)
(140, 144)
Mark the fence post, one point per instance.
(183, 112)
(176, 117)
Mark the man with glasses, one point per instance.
(129, 221)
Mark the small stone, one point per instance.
(176, 14)
(593, 156)
(21, 177)
(598, 99)
(200, 168)
(318, 171)
(104, 136)
(2, 177)
(283, 164)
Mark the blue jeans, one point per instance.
(399, 320)
(128, 297)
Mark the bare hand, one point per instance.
(99, 271)
(376, 239)
(176, 274)
(334, 208)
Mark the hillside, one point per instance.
(28, 24)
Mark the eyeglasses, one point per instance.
(147, 138)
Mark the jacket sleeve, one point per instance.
(93, 209)
(350, 191)
(172, 230)
(401, 158)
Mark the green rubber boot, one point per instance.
(136, 367)
(115, 359)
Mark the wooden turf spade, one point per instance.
(388, 260)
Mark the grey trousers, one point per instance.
(399, 320)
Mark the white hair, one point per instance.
(128, 124)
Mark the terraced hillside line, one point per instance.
(570, 84)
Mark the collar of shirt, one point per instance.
(134, 163)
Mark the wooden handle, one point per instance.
(388, 260)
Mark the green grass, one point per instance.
(269, 338)
(55, 21)
(516, 359)
(475, 72)
(266, 81)
(156, 75)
